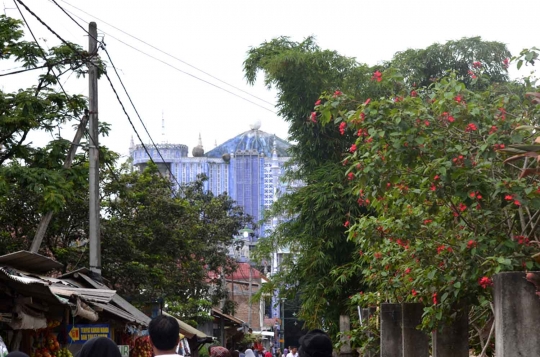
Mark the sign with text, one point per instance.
(79, 334)
(124, 350)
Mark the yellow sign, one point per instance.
(74, 333)
(281, 341)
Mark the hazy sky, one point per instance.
(215, 35)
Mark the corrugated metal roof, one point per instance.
(228, 317)
(139, 317)
(30, 262)
(94, 295)
(29, 287)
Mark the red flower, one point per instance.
(506, 61)
(471, 73)
(360, 253)
(477, 64)
(318, 102)
(450, 119)
(458, 98)
(471, 127)
(426, 123)
(436, 177)
(313, 117)
(509, 197)
(398, 99)
(471, 244)
(484, 282)
(413, 93)
(347, 224)
(441, 249)
(407, 271)
(434, 296)
(367, 101)
(498, 146)
(350, 176)
(427, 221)
(342, 127)
(517, 203)
(493, 129)
(414, 292)
(521, 240)
(337, 93)
(462, 207)
(377, 255)
(377, 76)
(433, 187)
(352, 148)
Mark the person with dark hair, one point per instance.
(16, 354)
(293, 352)
(316, 343)
(99, 346)
(164, 335)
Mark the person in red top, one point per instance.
(268, 354)
(257, 348)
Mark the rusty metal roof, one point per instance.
(30, 262)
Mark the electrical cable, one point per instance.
(160, 50)
(110, 82)
(176, 68)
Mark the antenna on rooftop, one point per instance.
(163, 138)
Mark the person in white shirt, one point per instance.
(293, 353)
(164, 334)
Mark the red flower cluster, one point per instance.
(446, 116)
(502, 113)
(377, 76)
(350, 176)
(471, 73)
(442, 248)
(313, 117)
(471, 127)
(506, 62)
(522, 240)
(346, 224)
(427, 221)
(434, 297)
(458, 98)
(413, 93)
(484, 282)
(352, 148)
(471, 244)
(462, 207)
(498, 146)
(458, 161)
(337, 93)
(512, 198)
(493, 129)
(477, 64)
(342, 127)
(414, 292)
(398, 99)
(318, 102)
(476, 195)
(377, 255)
(367, 101)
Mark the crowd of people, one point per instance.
(164, 334)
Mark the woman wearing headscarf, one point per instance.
(249, 353)
(99, 347)
(219, 351)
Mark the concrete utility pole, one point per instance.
(249, 294)
(94, 231)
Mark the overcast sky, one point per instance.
(214, 36)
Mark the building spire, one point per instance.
(199, 143)
(131, 144)
(274, 149)
(163, 137)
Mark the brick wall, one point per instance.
(241, 298)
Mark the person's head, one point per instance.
(315, 343)
(235, 353)
(17, 354)
(164, 334)
(99, 346)
(249, 353)
(294, 350)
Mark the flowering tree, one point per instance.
(446, 212)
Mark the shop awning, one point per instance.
(29, 262)
(234, 320)
(188, 330)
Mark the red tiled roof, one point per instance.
(242, 273)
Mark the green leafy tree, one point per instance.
(447, 213)
(322, 268)
(160, 245)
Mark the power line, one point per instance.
(60, 84)
(106, 75)
(174, 67)
(164, 52)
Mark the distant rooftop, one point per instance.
(254, 140)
